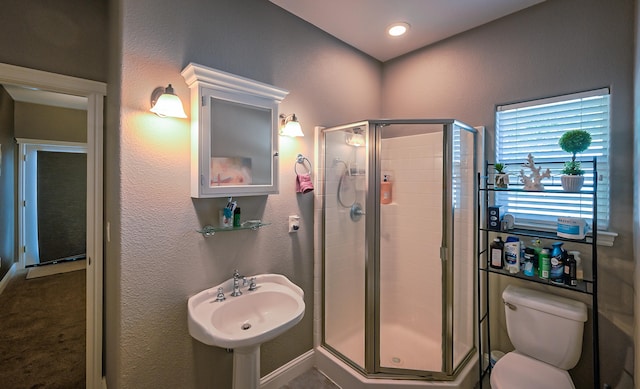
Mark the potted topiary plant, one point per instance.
(501, 178)
(574, 142)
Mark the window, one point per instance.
(535, 127)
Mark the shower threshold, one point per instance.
(347, 377)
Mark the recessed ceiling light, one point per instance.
(397, 29)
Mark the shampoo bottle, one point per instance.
(385, 190)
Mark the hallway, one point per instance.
(42, 331)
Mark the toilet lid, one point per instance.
(515, 370)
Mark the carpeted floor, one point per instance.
(42, 332)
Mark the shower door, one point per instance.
(390, 305)
(345, 160)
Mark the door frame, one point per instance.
(95, 92)
(25, 146)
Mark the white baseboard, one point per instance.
(7, 277)
(289, 371)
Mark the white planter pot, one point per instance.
(501, 181)
(571, 183)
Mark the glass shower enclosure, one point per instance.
(398, 270)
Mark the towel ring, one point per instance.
(300, 159)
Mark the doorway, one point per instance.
(53, 192)
(94, 92)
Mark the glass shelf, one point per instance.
(588, 239)
(584, 286)
(208, 230)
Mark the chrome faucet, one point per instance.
(236, 283)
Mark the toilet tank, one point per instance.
(545, 326)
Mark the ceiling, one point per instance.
(362, 23)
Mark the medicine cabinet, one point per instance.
(234, 137)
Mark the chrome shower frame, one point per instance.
(372, 365)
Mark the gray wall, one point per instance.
(557, 47)
(36, 121)
(67, 37)
(8, 186)
(155, 259)
(636, 186)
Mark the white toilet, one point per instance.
(546, 331)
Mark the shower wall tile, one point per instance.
(411, 232)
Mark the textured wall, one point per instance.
(635, 370)
(557, 47)
(8, 184)
(67, 37)
(155, 260)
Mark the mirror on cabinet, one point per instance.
(234, 137)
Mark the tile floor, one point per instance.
(313, 379)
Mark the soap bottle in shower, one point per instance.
(385, 190)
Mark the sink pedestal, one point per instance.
(265, 310)
(246, 367)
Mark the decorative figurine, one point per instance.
(533, 181)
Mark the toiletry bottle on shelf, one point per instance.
(236, 217)
(496, 260)
(512, 254)
(530, 258)
(570, 277)
(579, 268)
(385, 190)
(558, 256)
(544, 261)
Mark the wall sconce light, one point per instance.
(290, 126)
(165, 103)
(355, 137)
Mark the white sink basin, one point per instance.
(247, 320)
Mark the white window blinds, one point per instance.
(535, 127)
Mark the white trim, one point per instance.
(44, 142)
(16, 75)
(26, 177)
(555, 99)
(95, 205)
(95, 92)
(606, 238)
(195, 74)
(285, 373)
(7, 277)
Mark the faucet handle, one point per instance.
(252, 284)
(236, 274)
(220, 296)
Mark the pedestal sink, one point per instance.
(244, 322)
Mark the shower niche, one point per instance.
(398, 279)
